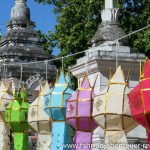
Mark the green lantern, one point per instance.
(16, 117)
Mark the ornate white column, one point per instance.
(109, 14)
(109, 4)
(102, 58)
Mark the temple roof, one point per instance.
(22, 43)
(109, 30)
(21, 40)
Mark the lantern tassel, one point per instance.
(82, 140)
(62, 135)
(20, 141)
(115, 140)
(43, 141)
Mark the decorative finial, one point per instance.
(109, 4)
(110, 14)
(109, 30)
(20, 1)
(20, 13)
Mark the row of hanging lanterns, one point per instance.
(58, 110)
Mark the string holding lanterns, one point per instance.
(79, 113)
(112, 111)
(74, 54)
(139, 100)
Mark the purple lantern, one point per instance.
(79, 114)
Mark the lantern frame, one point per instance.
(138, 105)
(22, 108)
(65, 92)
(76, 101)
(36, 107)
(55, 102)
(102, 106)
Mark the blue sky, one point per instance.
(41, 14)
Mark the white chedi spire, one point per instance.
(20, 13)
(109, 30)
(109, 4)
(110, 14)
(20, 1)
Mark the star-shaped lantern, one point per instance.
(16, 117)
(39, 120)
(111, 110)
(140, 99)
(79, 112)
(5, 98)
(5, 95)
(55, 107)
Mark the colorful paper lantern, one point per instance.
(55, 107)
(111, 110)
(40, 121)
(4, 135)
(5, 99)
(79, 113)
(140, 100)
(16, 115)
(5, 95)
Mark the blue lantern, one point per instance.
(55, 107)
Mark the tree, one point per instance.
(78, 21)
(135, 15)
(47, 42)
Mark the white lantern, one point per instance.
(111, 111)
(4, 135)
(5, 99)
(39, 120)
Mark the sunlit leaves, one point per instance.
(78, 21)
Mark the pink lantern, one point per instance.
(79, 113)
(140, 100)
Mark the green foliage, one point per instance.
(47, 42)
(135, 15)
(78, 21)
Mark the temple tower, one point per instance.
(106, 54)
(22, 44)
